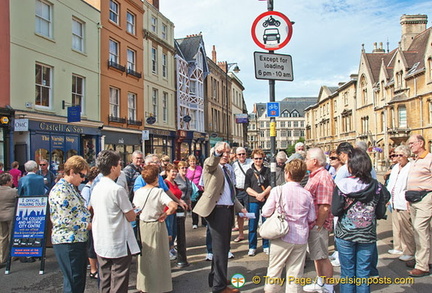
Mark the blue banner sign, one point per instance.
(29, 227)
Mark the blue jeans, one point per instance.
(356, 262)
(171, 224)
(255, 207)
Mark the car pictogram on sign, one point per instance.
(271, 34)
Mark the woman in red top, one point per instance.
(171, 171)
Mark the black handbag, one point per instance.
(414, 196)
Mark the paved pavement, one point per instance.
(25, 277)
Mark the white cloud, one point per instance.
(325, 46)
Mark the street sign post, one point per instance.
(273, 66)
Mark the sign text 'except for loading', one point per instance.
(273, 66)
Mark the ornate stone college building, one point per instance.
(389, 99)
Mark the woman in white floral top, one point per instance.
(71, 222)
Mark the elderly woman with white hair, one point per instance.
(403, 231)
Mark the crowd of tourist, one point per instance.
(118, 213)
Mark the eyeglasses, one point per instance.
(42, 164)
(396, 155)
(82, 175)
(258, 159)
(334, 158)
(183, 167)
(242, 154)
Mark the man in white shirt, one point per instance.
(240, 167)
(114, 239)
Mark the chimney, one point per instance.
(214, 56)
(378, 49)
(155, 3)
(412, 25)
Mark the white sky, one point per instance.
(325, 46)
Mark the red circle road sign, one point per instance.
(271, 30)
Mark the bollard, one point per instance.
(181, 239)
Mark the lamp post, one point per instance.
(236, 70)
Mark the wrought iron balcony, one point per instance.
(134, 122)
(112, 118)
(133, 73)
(115, 65)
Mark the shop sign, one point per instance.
(21, 125)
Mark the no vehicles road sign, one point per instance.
(271, 30)
(273, 66)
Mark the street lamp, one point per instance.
(236, 70)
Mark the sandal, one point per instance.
(238, 239)
(93, 275)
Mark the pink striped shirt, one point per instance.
(298, 206)
(321, 186)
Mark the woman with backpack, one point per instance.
(358, 201)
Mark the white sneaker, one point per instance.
(334, 256)
(335, 262)
(313, 288)
(395, 251)
(195, 227)
(251, 252)
(230, 254)
(406, 257)
(266, 250)
(172, 256)
(209, 257)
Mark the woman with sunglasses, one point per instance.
(393, 162)
(335, 163)
(403, 231)
(71, 221)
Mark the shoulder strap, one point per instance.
(151, 189)
(238, 163)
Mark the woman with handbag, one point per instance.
(358, 201)
(154, 268)
(295, 204)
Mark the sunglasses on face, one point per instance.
(334, 158)
(42, 164)
(259, 159)
(242, 154)
(82, 175)
(184, 168)
(396, 155)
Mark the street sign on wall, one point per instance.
(273, 66)
(271, 30)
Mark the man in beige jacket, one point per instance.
(218, 205)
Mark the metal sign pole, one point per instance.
(272, 121)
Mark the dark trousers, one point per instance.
(195, 217)
(114, 274)
(72, 260)
(220, 222)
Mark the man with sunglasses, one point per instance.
(49, 177)
(240, 166)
